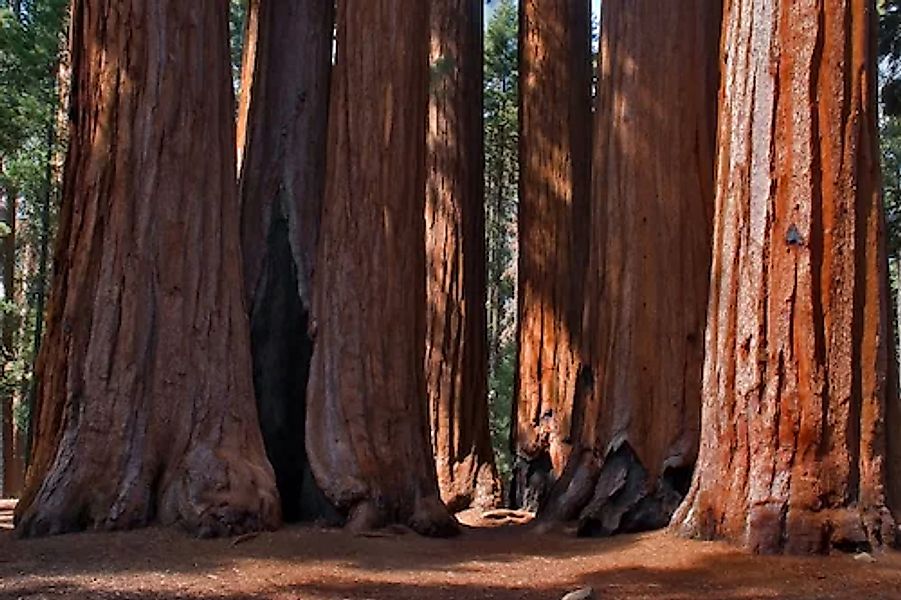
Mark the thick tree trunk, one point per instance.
(284, 100)
(637, 426)
(456, 322)
(367, 421)
(799, 401)
(555, 113)
(145, 402)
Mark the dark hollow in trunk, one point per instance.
(282, 122)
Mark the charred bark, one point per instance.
(284, 104)
(555, 167)
(145, 403)
(800, 396)
(637, 426)
(456, 322)
(367, 415)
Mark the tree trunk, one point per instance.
(145, 402)
(799, 391)
(8, 476)
(456, 322)
(555, 113)
(636, 429)
(284, 100)
(367, 421)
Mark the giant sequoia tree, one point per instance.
(456, 358)
(367, 421)
(555, 101)
(799, 449)
(282, 127)
(145, 402)
(636, 428)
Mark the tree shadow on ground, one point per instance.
(709, 577)
(311, 562)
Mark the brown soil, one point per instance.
(503, 562)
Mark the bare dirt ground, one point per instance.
(499, 563)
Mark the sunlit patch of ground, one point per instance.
(486, 562)
(6, 513)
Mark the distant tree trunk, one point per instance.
(367, 421)
(555, 170)
(145, 402)
(800, 399)
(284, 102)
(9, 478)
(456, 322)
(41, 287)
(636, 429)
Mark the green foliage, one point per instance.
(32, 37)
(237, 20)
(501, 203)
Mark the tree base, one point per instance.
(614, 495)
(480, 490)
(430, 518)
(209, 495)
(775, 528)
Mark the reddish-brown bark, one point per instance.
(145, 402)
(555, 149)
(636, 428)
(456, 358)
(800, 398)
(367, 414)
(284, 101)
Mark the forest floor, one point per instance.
(484, 563)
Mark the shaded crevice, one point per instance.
(282, 350)
(533, 478)
(623, 500)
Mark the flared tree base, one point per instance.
(209, 493)
(777, 528)
(429, 518)
(614, 495)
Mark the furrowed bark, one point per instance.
(456, 321)
(284, 107)
(145, 409)
(636, 429)
(555, 150)
(367, 417)
(800, 394)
